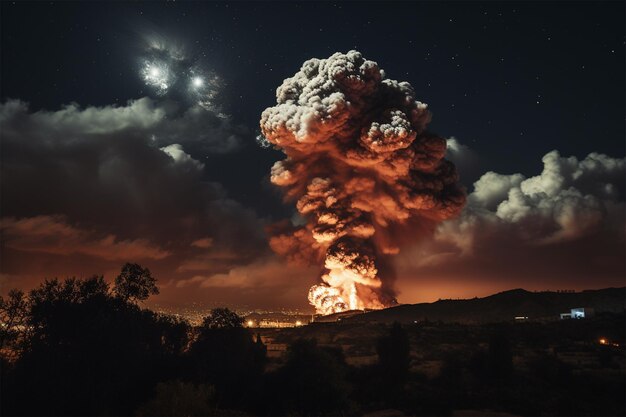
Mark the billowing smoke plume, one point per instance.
(363, 171)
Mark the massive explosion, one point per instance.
(364, 172)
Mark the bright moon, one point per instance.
(157, 75)
(197, 82)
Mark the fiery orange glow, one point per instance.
(362, 171)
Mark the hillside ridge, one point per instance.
(502, 306)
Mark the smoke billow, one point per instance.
(363, 172)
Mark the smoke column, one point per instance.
(363, 171)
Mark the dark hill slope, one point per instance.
(501, 307)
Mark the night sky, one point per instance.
(87, 185)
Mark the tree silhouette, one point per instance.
(13, 315)
(311, 383)
(90, 352)
(222, 318)
(225, 355)
(135, 283)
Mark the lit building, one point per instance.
(578, 313)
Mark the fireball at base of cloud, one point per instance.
(359, 160)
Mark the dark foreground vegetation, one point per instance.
(84, 347)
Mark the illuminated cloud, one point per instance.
(180, 157)
(568, 200)
(53, 235)
(264, 273)
(213, 260)
(562, 228)
(142, 114)
(363, 171)
(203, 243)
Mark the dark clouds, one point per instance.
(116, 183)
